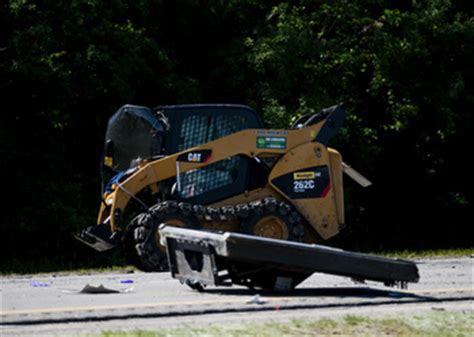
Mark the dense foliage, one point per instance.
(404, 69)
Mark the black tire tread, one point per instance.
(139, 239)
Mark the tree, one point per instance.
(403, 71)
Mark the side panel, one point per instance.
(305, 178)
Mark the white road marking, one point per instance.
(241, 300)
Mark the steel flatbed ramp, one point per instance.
(207, 258)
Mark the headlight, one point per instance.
(109, 200)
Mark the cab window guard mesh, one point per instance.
(200, 129)
(208, 178)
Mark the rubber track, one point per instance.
(141, 230)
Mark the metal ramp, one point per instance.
(199, 258)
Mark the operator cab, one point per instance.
(133, 132)
(137, 132)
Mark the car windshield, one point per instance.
(132, 132)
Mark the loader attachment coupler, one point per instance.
(99, 237)
(200, 258)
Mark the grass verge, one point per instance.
(428, 253)
(93, 263)
(434, 324)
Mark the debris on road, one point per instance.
(256, 300)
(88, 289)
(215, 259)
(37, 284)
(126, 281)
(101, 289)
(438, 308)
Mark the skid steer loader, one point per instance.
(215, 168)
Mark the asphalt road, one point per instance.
(54, 305)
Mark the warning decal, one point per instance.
(278, 143)
(304, 175)
(312, 182)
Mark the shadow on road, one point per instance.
(361, 292)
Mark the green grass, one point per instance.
(94, 263)
(436, 324)
(60, 270)
(429, 253)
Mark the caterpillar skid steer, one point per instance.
(214, 168)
